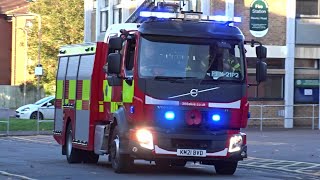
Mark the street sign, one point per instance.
(259, 18)
(38, 70)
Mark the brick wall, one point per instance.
(272, 111)
(277, 19)
(273, 114)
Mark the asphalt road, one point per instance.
(285, 144)
(39, 157)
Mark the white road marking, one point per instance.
(266, 143)
(16, 175)
(33, 140)
(285, 167)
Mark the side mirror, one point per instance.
(114, 63)
(261, 71)
(261, 52)
(115, 43)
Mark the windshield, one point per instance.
(190, 58)
(41, 101)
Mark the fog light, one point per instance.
(145, 138)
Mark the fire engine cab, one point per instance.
(169, 89)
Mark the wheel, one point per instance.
(226, 168)
(34, 115)
(121, 163)
(90, 157)
(73, 155)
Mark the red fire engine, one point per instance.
(170, 88)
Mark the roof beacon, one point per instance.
(189, 16)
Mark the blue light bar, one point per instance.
(224, 18)
(169, 115)
(157, 14)
(216, 117)
(167, 15)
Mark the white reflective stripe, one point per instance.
(233, 105)
(163, 151)
(150, 100)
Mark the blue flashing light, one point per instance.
(169, 115)
(216, 117)
(132, 109)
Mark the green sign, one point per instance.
(307, 82)
(259, 18)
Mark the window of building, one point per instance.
(272, 89)
(307, 8)
(306, 63)
(104, 21)
(117, 15)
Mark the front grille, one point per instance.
(190, 144)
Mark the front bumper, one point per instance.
(23, 115)
(217, 148)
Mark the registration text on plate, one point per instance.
(191, 152)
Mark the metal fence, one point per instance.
(4, 120)
(303, 114)
(40, 109)
(8, 123)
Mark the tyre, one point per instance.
(226, 168)
(34, 115)
(73, 155)
(121, 163)
(90, 157)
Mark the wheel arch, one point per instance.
(65, 135)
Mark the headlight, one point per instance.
(235, 143)
(145, 138)
(26, 109)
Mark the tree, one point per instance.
(62, 24)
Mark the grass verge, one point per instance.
(25, 125)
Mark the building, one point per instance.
(14, 19)
(288, 28)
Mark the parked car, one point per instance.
(30, 111)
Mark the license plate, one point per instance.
(191, 152)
